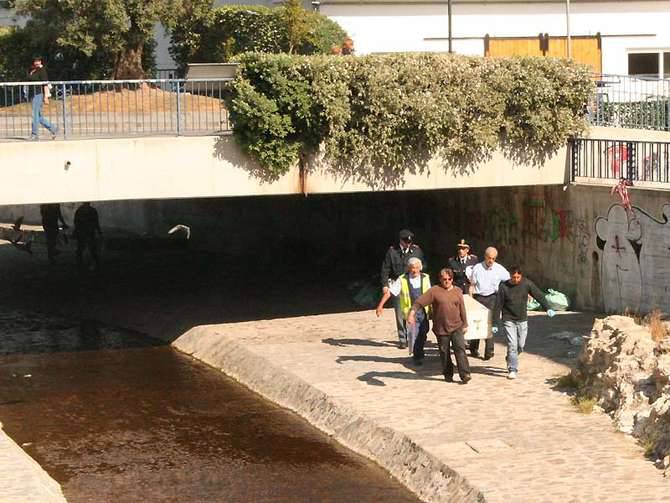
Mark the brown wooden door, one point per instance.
(585, 50)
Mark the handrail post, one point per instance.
(178, 108)
(63, 92)
(631, 161)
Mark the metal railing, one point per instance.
(630, 102)
(117, 108)
(612, 160)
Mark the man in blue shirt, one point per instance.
(485, 278)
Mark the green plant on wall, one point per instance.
(376, 118)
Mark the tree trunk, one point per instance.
(129, 64)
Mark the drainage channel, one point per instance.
(116, 416)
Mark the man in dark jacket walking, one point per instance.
(86, 229)
(395, 264)
(512, 300)
(460, 263)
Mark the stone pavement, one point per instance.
(22, 479)
(490, 440)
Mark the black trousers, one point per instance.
(488, 301)
(85, 241)
(456, 341)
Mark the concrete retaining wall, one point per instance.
(421, 472)
(22, 478)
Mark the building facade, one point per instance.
(614, 37)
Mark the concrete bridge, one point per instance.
(182, 167)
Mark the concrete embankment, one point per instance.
(491, 440)
(22, 479)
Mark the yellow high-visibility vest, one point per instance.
(406, 300)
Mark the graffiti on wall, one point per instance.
(635, 268)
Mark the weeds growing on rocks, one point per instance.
(584, 404)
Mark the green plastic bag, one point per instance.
(532, 304)
(557, 301)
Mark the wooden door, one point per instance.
(585, 49)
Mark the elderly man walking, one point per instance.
(395, 264)
(409, 287)
(450, 322)
(485, 278)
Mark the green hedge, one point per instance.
(216, 35)
(375, 118)
(636, 114)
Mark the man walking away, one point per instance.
(395, 264)
(408, 287)
(512, 300)
(38, 95)
(51, 215)
(450, 322)
(485, 278)
(86, 228)
(460, 263)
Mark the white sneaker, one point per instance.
(511, 375)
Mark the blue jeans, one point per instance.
(38, 118)
(516, 333)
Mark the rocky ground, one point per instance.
(625, 367)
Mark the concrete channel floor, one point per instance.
(512, 440)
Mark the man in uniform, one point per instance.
(395, 264)
(460, 263)
(485, 278)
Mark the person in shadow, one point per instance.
(51, 216)
(86, 231)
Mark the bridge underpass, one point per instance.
(316, 246)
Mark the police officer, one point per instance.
(395, 264)
(460, 263)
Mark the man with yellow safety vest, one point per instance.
(407, 288)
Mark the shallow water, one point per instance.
(116, 416)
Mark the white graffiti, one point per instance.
(631, 282)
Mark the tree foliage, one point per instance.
(217, 35)
(106, 37)
(376, 118)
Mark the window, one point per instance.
(644, 63)
(666, 65)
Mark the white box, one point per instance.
(479, 320)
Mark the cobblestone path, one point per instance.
(513, 440)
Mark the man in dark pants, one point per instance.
(450, 322)
(485, 278)
(86, 228)
(51, 216)
(459, 265)
(395, 264)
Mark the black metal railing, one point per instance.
(612, 160)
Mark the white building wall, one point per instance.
(379, 28)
